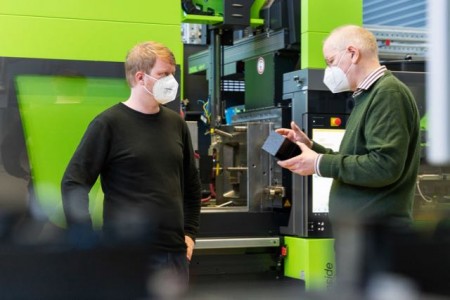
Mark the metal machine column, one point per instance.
(313, 107)
(215, 74)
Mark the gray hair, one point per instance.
(359, 37)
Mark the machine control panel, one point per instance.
(328, 131)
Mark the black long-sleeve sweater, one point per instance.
(147, 172)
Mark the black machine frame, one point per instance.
(310, 100)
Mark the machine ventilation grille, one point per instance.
(233, 86)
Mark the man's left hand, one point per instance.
(190, 246)
(302, 164)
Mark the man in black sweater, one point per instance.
(143, 154)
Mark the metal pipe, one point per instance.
(223, 133)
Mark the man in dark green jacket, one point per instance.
(374, 172)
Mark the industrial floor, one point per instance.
(242, 286)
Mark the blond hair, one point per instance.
(357, 36)
(143, 56)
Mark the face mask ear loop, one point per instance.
(145, 88)
(151, 76)
(339, 61)
(351, 65)
(337, 65)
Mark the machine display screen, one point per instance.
(329, 138)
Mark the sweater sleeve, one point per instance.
(82, 173)
(192, 189)
(386, 129)
(321, 149)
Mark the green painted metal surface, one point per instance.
(311, 260)
(154, 12)
(55, 112)
(81, 40)
(318, 19)
(217, 7)
(256, 8)
(206, 5)
(211, 20)
(87, 30)
(75, 30)
(312, 56)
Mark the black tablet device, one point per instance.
(280, 147)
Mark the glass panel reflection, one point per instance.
(55, 111)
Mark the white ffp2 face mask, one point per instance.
(336, 80)
(165, 89)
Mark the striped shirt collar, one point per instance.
(369, 80)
